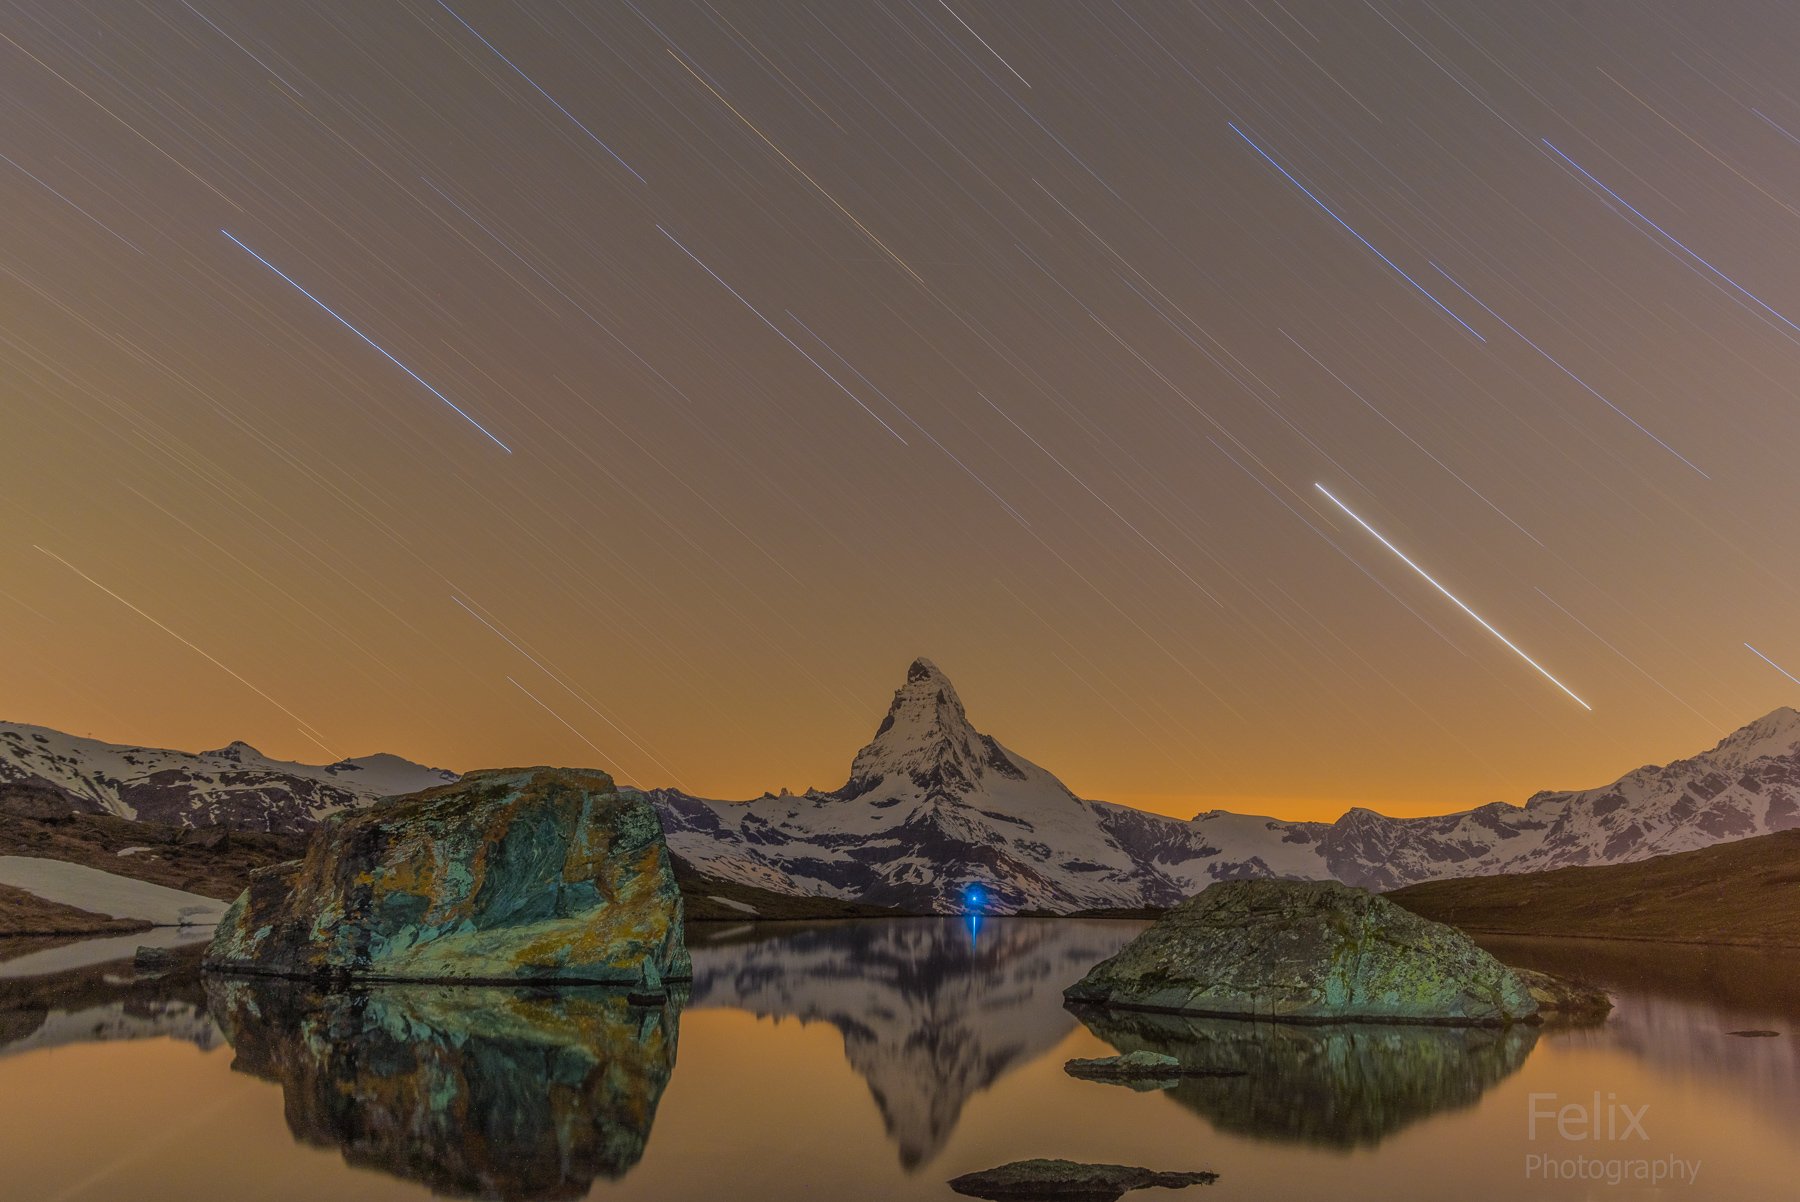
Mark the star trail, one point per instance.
(710, 362)
(381, 350)
(1454, 599)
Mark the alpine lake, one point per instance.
(877, 1060)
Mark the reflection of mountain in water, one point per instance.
(930, 1013)
(471, 1091)
(1676, 1004)
(101, 1003)
(1340, 1086)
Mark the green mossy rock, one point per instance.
(1306, 951)
(521, 874)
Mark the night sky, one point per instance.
(643, 385)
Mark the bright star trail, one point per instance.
(1458, 601)
(383, 351)
(775, 345)
(1765, 659)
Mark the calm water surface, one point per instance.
(875, 1060)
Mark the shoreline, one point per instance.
(1737, 944)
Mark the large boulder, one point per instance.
(520, 874)
(1306, 951)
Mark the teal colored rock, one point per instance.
(1306, 951)
(522, 874)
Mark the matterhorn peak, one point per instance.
(927, 736)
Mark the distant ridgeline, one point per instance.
(938, 817)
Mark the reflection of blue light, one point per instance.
(975, 898)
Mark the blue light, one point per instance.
(974, 897)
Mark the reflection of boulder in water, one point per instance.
(476, 1092)
(1346, 1085)
(932, 1011)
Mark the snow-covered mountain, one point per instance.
(235, 786)
(934, 809)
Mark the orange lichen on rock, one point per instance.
(513, 874)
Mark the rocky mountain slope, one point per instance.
(235, 786)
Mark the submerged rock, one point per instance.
(1069, 1181)
(1306, 951)
(524, 1094)
(153, 960)
(1132, 1064)
(524, 874)
(1143, 1069)
(1563, 1000)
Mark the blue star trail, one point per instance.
(1332, 213)
(385, 353)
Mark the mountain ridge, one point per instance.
(234, 785)
(946, 809)
(936, 816)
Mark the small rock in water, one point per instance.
(1130, 1064)
(1754, 1034)
(1068, 1181)
(153, 960)
(1142, 1068)
(1564, 999)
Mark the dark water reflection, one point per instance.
(1678, 1004)
(875, 1060)
(473, 1091)
(1336, 1086)
(103, 1003)
(932, 1011)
